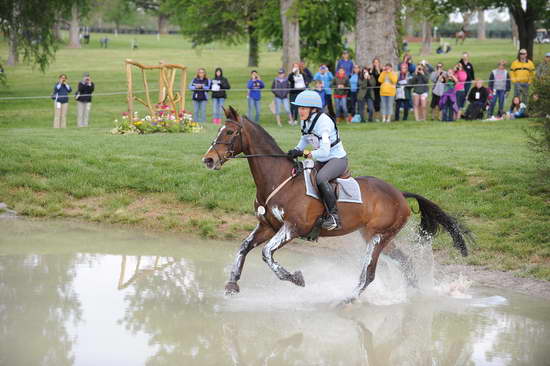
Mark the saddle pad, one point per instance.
(348, 189)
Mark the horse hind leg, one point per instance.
(375, 245)
(282, 237)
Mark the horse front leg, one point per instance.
(283, 236)
(260, 234)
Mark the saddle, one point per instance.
(345, 186)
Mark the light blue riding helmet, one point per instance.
(308, 98)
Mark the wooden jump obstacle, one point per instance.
(167, 78)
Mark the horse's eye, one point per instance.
(229, 132)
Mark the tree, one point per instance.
(481, 25)
(226, 20)
(323, 25)
(524, 12)
(376, 31)
(74, 27)
(162, 10)
(29, 25)
(119, 12)
(291, 32)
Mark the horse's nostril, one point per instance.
(209, 162)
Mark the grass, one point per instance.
(481, 171)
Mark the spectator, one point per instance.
(298, 83)
(340, 84)
(517, 109)
(345, 63)
(438, 79)
(375, 72)
(420, 92)
(478, 97)
(428, 69)
(60, 97)
(325, 76)
(255, 84)
(84, 100)
(353, 89)
(521, 73)
(319, 88)
(307, 73)
(469, 69)
(408, 60)
(500, 85)
(219, 88)
(461, 77)
(388, 79)
(447, 103)
(280, 88)
(200, 85)
(544, 67)
(403, 92)
(365, 95)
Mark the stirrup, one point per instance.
(331, 222)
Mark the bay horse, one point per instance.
(284, 212)
(460, 35)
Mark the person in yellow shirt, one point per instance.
(522, 72)
(388, 79)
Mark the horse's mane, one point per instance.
(264, 138)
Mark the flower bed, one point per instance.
(164, 120)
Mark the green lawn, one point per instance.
(481, 171)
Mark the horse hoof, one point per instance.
(231, 288)
(298, 279)
(347, 302)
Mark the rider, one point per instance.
(319, 130)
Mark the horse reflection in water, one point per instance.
(284, 211)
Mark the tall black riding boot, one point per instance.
(331, 220)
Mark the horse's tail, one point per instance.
(432, 216)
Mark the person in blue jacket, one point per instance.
(200, 86)
(345, 63)
(254, 85)
(319, 130)
(60, 96)
(325, 76)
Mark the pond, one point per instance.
(82, 294)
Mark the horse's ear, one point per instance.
(232, 114)
(226, 112)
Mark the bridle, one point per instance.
(230, 153)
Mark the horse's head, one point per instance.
(228, 142)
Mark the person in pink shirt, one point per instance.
(461, 77)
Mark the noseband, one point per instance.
(230, 153)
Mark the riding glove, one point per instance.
(294, 153)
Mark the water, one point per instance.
(75, 294)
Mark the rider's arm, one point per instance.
(302, 144)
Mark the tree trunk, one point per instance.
(291, 34)
(56, 29)
(13, 56)
(253, 46)
(426, 38)
(381, 31)
(163, 24)
(515, 33)
(481, 25)
(466, 18)
(361, 35)
(525, 21)
(409, 26)
(74, 28)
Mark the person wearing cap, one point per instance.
(325, 76)
(522, 72)
(280, 88)
(345, 63)
(84, 100)
(544, 67)
(320, 131)
(500, 85)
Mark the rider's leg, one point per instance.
(332, 169)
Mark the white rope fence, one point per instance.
(208, 91)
